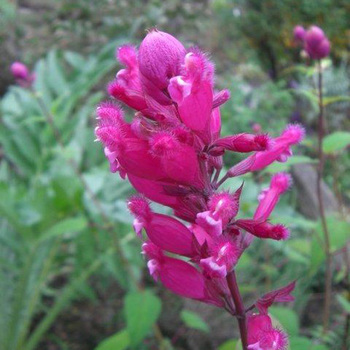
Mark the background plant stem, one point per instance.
(321, 158)
(240, 310)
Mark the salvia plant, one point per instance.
(172, 154)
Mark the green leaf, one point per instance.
(67, 225)
(287, 318)
(344, 303)
(118, 341)
(336, 141)
(339, 235)
(142, 310)
(192, 320)
(228, 345)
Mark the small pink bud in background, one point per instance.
(317, 44)
(299, 33)
(257, 128)
(270, 197)
(22, 74)
(160, 58)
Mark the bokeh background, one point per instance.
(71, 273)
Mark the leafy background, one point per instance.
(71, 273)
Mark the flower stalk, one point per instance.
(241, 314)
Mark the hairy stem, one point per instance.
(240, 311)
(321, 157)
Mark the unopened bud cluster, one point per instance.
(316, 43)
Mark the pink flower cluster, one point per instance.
(171, 152)
(315, 42)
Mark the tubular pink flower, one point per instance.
(269, 197)
(262, 336)
(280, 149)
(224, 206)
(177, 275)
(242, 143)
(164, 231)
(224, 254)
(263, 229)
(193, 92)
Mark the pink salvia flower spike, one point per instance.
(172, 154)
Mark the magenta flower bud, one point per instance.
(263, 229)
(314, 36)
(261, 334)
(160, 58)
(20, 70)
(21, 74)
(317, 44)
(177, 275)
(164, 231)
(242, 143)
(270, 197)
(299, 33)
